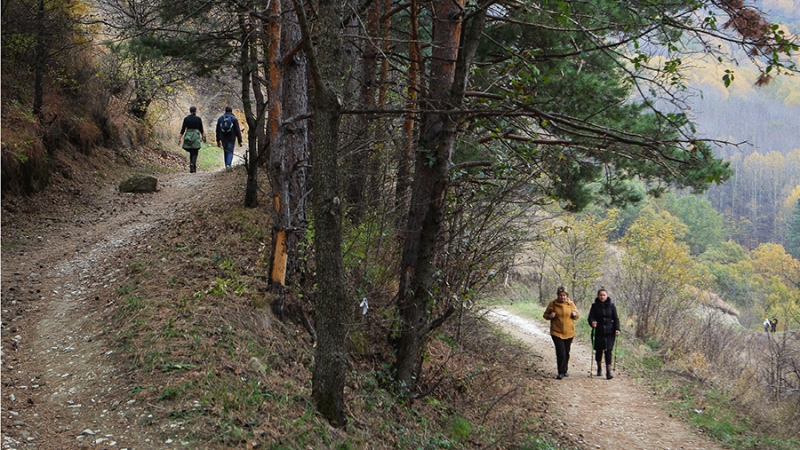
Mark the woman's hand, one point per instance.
(574, 314)
(616, 332)
(552, 315)
(594, 324)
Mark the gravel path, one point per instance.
(63, 386)
(599, 413)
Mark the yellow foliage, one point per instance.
(770, 260)
(790, 203)
(781, 275)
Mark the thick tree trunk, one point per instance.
(295, 133)
(330, 299)
(448, 78)
(428, 193)
(278, 161)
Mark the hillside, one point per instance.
(134, 320)
(139, 321)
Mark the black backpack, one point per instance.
(226, 124)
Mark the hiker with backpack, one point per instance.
(562, 314)
(604, 321)
(228, 133)
(192, 136)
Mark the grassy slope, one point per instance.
(193, 313)
(193, 322)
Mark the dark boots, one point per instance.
(599, 370)
(609, 375)
(192, 168)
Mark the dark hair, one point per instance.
(601, 290)
(193, 109)
(228, 109)
(561, 289)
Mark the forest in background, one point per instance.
(530, 145)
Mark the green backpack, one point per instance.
(191, 139)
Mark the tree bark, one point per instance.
(255, 135)
(405, 150)
(330, 299)
(448, 80)
(295, 134)
(278, 160)
(39, 61)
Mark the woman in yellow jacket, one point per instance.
(562, 314)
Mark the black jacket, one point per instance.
(192, 121)
(605, 314)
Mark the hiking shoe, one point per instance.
(599, 373)
(609, 376)
(566, 374)
(560, 376)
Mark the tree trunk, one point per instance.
(330, 299)
(295, 133)
(250, 78)
(278, 160)
(356, 43)
(39, 62)
(448, 79)
(406, 149)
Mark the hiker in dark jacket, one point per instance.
(226, 138)
(191, 136)
(605, 321)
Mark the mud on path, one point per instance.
(595, 413)
(63, 386)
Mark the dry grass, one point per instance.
(745, 377)
(192, 317)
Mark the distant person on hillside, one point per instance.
(773, 324)
(562, 314)
(767, 325)
(228, 133)
(191, 136)
(604, 320)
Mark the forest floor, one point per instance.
(64, 384)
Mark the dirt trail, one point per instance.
(599, 413)
(63, 386)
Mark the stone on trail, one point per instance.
(139, 183)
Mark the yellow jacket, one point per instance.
(563, 325)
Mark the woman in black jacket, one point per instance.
(605, 321)
(191, 135)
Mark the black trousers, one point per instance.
(193, 156)
(562, 353)
(604, 344)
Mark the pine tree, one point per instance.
(793, 232)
